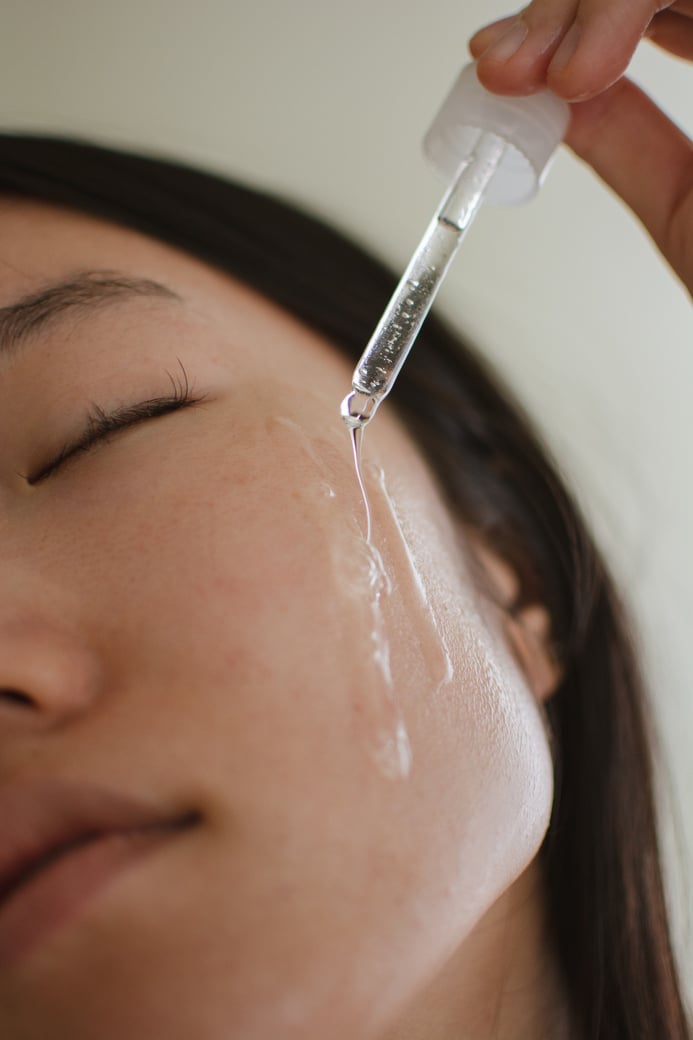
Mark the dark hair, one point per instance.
(600, 855)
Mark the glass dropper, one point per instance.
(411, 301)
(488, 147)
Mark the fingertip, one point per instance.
(518, 74)
(566, 76)
(580, 81)
(475, 47)
(515, 58)
(498, 79)
(590, 60)
(486, 36)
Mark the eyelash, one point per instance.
(101, 425)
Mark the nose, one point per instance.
(48, 673)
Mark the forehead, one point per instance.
(39, 241)
(42, 244)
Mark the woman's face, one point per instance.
(194, 620)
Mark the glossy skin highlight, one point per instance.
(183, 609)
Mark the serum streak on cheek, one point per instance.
(434, 645)
(395, 646)
(387, 738)
(364, 588)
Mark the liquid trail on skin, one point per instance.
(441, 660)
(357, 445)
(380, 723)
(393, 751)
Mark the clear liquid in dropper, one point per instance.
(406, 311)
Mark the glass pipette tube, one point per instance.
(394, 336)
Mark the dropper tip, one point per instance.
(358, 408)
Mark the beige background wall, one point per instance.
(327, 102)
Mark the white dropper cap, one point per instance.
(532, 127)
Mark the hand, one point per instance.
(580, 49)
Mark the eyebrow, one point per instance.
(79, 295)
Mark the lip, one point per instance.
(60, 844)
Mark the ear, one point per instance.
(527, 629)
(529, 634)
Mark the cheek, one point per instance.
(224, 582)
(479, 737)
(232, 600)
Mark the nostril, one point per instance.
(15, 696)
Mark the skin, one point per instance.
(187, 613)
(580, 49)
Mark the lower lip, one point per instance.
(56, 894)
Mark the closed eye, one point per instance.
(102, 425)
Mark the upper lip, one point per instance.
(40, 817)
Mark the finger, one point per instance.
(647, 160)
(674, 33)
(514, 53)
(596, 50)
(577, 48)
(488, 35)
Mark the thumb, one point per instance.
(647, 160)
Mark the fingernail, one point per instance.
(509, 43)
(567, 49)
